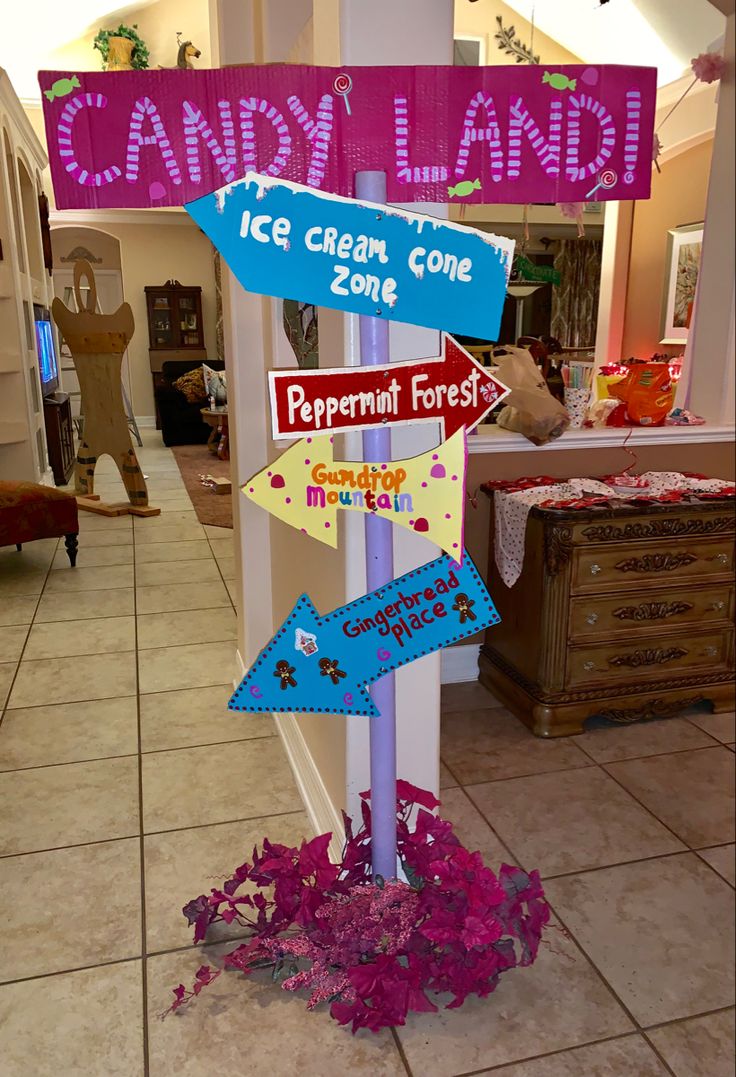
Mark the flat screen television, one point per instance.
(48, 364)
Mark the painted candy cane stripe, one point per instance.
(319, 133)
(248, 107)
(144, 107)
(404, 172)
(573, 168)
(548, 150)
(64, 139)
(196, 127)
(490, 134)
(631, 144)
(401, 138)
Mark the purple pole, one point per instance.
(379, 564)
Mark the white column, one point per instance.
(349, 32)
(614, 282)
(711, 395)
(236, 38)
(388, 33)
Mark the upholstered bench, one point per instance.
(29, 511)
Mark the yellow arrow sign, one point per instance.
(306, 486)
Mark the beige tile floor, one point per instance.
(126, 787)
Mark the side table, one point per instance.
(217, 442)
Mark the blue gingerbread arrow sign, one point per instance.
(323, 664)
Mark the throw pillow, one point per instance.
(192, 386)
(215, 384)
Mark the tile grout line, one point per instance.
(691, 1017)
(579, 946)
(595, 968)
(529, 774)
(219, 570)
(617, 864)
(654, 755)
(501, 841)
(602, 767)
(125, 650)
(141, 834)
(125, 755)
(650, 810)
(554, 1054)
(150, 833)
(6, 701)
(687, 847)
(102, 699)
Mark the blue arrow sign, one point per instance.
(286, 240)
(323, 664)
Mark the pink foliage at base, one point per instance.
(373, 949)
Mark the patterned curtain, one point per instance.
(575, 298)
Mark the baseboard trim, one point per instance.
(460, 664)
(146, 422)
(323, 816)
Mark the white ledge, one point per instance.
(492, 439)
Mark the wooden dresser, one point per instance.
(623, 612)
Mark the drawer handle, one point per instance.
(711, 651)
(654, 656)
(595, 569)
(651, 611)
(655, 562)
(592, 618)
(718, 606)
(588, 666)
(721, 558)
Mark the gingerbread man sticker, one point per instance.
(285, 672)
(328, 667)
(462, 606)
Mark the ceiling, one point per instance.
(665, 34)
(35, 30)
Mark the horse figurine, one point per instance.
(187, 52)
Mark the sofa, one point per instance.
(181, 421)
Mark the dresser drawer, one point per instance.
(649, 658)
(631, 564)
(635, 612)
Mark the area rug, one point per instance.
(193, 462)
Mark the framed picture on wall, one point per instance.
(682, 265)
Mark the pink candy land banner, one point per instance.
(457, 134)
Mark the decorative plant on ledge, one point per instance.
(121, 49)
(372, 950)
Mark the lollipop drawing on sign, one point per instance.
(489, 393)
(607, 179)
(342, 86)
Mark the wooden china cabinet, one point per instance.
(175, 327)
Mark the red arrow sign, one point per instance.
(451, 388)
